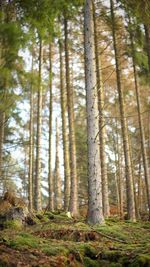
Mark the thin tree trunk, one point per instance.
(129, 178)
(116, 176)
(2, 128)
(120, 173)
(73, 205)
(142, 134)
(50, 174)
(33, 159)
(64, 134)
(2, 113)
(30, 175)
(139, 187)
(147, 38)
(38, 204)
(134, 185)
(100, 89)
(95, 209)
(120, 182)
(149, 138)
(57, 177)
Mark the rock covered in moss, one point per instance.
(12, 209)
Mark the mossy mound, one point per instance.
(62, 241)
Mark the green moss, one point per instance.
(81, 226)
(42, 217)
(146, 225)
(54, 251)
(141, 261)
(24, 240)
(90, 252)
(90, 263)
(115, 264)
(104, 252)
(4, 263)
(111, 255)
(13, 224)
(113, 219)
(113, 231)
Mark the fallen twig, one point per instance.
(109, 237)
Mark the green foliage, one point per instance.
(41, 15)
(138, 8)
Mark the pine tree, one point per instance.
(57, 177)
(95, 209)
(31, 141)
(73, 205)
(50, 175)
(129, 178)
(101, 123)
(141, 127)
(38, 203)
(64, 133)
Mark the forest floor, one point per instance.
(56, 240)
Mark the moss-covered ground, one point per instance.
(57, 240)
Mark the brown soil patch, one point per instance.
(70, 235)
(33, 258)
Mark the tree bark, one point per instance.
(57, 177)
(50, 174)
(134, 184)
(147, 38)
(116, 165)
(73, 205)
(2, 129)
(95, 209)
(140, 187)
(64, 134)
(120, 182)
(129, 178)
(31, 141)
(100, 89)
(38, 204)
(141, 127)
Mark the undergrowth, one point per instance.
(114, 244)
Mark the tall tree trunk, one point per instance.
(57, 177)
(2, 128)
(120, 181)
(129, 178)
(134, 183)
(33, 159)
(31, 141)
(100, 89)
(147, 38)
(50, 174)
(116, 175)
(64, 134)
(140, 188)
(95, 209)
(73, 205)
(142, 134)
(120, 168)
(38, 204)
